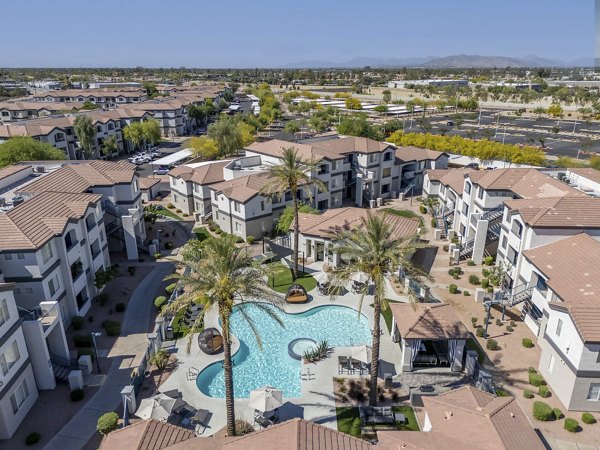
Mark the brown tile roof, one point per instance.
(417, 154)
(38, 106)
(306, 152)
(573, 273)
(590, 174)
(11, 170)
(31, 224)
(242, 189)
(83, 176)
(558, 212)
(147, 182)
(101, 92)
(323, 225)
(454, 178)
(205, 174)
(428, 321)
(353, 144)
(146, 435)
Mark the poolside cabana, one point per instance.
(430, 336)
(210, 341)
(296, 294)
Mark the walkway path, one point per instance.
(125, 355)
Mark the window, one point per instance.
(387, 171)
(559, 327)
(217, 215)
(174, 197)
(8, 257)
(385, 189)
(237, 226)
(517, 228)
(372, 157)
(480, 193)
(236, 206)
(20, 256)
(47, 252)
(468, 187)
(541, 284)
(512, 255)
(19, 396)
(551, 363)
(17, 290)
(594, 392)
(4, 315)
(53, 285)
(28, 290)
(465, 209)
(262, 205)
(387, 156)
(504, 241)
(10, 357)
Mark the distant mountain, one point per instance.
(362, 61)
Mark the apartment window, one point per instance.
(372, 157)
(385, 189)
(53, 285)
(47, 252)
(323, 168)
(333, 165)
(197, 206)
(17, 290)
(468, 187)
(541, 285)
(262, 205)
(504, 241)
(217, 215)
(517, 228)
(237, 226)
(465, 209)
(559, 327)
(19, 396)
(387, 171)
(463, 229)
(387, 156)
(236, 206)
(28, 290)
(174, 197)
(8, 257)
(512, 255)
(594, 392)
(4, 315)
(10, 357)
(20, 256)
(480, 193)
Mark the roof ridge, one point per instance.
(418, 319)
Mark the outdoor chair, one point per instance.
(344, 363)
(261, 420)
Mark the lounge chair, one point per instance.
(343, 363)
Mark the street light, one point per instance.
(94, 336)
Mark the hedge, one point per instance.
(571, 425)
(588, 418)
(107, 422)
(543, 391)
(77, 395)
(535, 379)
(542, 411)
(112, 327)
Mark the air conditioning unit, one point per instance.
(40, 169)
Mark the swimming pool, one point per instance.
(273, 366)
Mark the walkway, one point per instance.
(125, 354)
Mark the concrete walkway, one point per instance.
(125, 355)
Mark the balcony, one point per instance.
(76, 270)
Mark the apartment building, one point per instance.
(105, 98)
(16, 111)
(171, 114)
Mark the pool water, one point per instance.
(338, 325)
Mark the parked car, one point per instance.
(161, 171)
(473, 166)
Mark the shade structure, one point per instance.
(266, 398)
(362, 353)
(360, 277)
(158, 407)
(323, 279)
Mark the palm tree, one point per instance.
(222, 275)
(288, 176)
(376, 249)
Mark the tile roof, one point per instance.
(13, 169)
(411, 153)
(146, 435)
(205, 174)
(31, 224)
(354, 144)
(49, 106)
(428, 321)
(558, 212)
(306, 152)
(242, 189)
(590, 174)
(83, 176)
(454, 178)
(573, 273)
(147, 182)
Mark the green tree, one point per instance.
(227, 136)
(24, 148)
(247, 132)
(287, 177)
(353, 103)
(151, 131)
(197, 112)
(555, 110)
(204, 147)
(151, 89)
(387, 95)
(110, 145)
(134, 134)
(292, 127)
(381, 108)
(86, 134)
(89, 105)
(284, 223)
(374, 248)
(221, 276)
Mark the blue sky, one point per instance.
(269, 33)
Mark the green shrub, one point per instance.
(120, 307)
(492, 344)
(485, 272)
(32, 438)
(178, 211)
(168, 245)
(535, 379)
(527, 393)
(82, 340)
(160, 301)
(527, 343)
(77, 322)
(531, 370)
(218, 231)
(571, 425)
(542, 411)
(557, 413)
(170, 206)
(499, 323)
(512, 323)
(474, 320)
(104, 297)
(470, 262)
(107, 422)
(170, 288)
(479, 332)
(423, 209)
(588, 418)
(186, 215)
(112, 327)
(502, 393)
(474, 279)
(488, 260)
(250, 240)
(433, 223)
(509, 329)
(466, 293)
(453, 289)
(157, 255)
(455, 276)
(485, 283)
(77, 395)
(445, 248)
(85, 351)
(239, 240)
(543, 391)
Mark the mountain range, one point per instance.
(452, 61)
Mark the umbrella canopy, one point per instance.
(362, 353)
(323, 278)
(360, 277)
(266, 398)
(158, 407)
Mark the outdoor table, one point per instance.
(200, 416)
(399, 417)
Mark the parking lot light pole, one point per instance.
(94, 336)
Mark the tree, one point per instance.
(292, 127)
(381, 108)
(151, 131)
(247, 131)
(86, 134)
(197, 112)
(220, 276)
(110, 145)
(24, 148)
(151, 89)
(89, 105)
(134, 134)
(353, 103)
(374, 248)
(204, 147)
(227, 136)
(160, 359)
(288, 176)
(284, 223)
(555, 110)
(387, 95)
(107, 422)
(539, 111)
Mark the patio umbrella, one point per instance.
(266, 398)
(362, 353)
(360, 277)
(158, 407)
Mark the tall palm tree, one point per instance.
(291, 173)
(376, 249)
(222, 275)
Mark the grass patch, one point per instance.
(472, 344)
(411, 420)
(168, 213)
(386, 312)
(281, 279)
(348, 420)
(201, 233)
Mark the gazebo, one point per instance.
(296, 294)
(210, 341)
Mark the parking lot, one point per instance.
(165, 148)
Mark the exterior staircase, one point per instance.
(114, 226)
(62, 367)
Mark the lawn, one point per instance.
(348, 420)
(472, 344)
(283, 279)
(411, 420)
(386, 312)
(168, 213)
(201, 233)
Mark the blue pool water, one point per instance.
(272, 366)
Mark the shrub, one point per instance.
(85, 351)
(131, 270)
(178, 211)
(588, 418)
(433, 223)
(112, 327)
(169, 245)
(77, 322)
(488, 260)
(239, 240)
(160, 359)
(543, 391)
(557, 413)
(186, 215)
(479, 332)
(509, 329)
(474, 320)
(466, 293)
(218, 231)
(250, 240)
(107, 422)
(445, 248)
(423, 209)
(485, 272)
(502, 393)
(170, 288)
(157, 255)
(77, 395)
(485, 283)
(527, 343)
(32, 438)
(474, 279)
(492, 344)
(542, 411)
(103, 298)
(453, 289)
(160, 301)
(243, 427)
(527, 393)
(571, 425)
(512, 323)
(535, 379)
(531, 370)
(499, 323)
(470, 262)
(82, 340)
(120, 307)
(170, 206)
(455, 276)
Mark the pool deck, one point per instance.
(317, 402)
